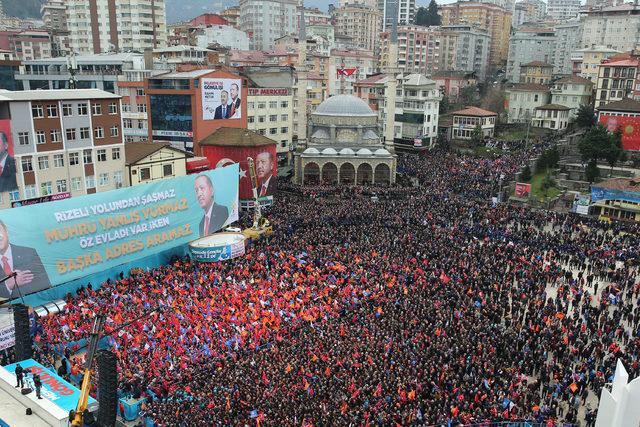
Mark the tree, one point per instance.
(428, 17)
(477, 136)
(595, 143)
(592, 172)
(614, 152)
(525, 175)
(445, 105)
(468, 95)
(586, 117)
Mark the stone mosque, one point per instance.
(344, 146)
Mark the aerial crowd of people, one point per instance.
(425, 305)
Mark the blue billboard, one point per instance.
(53, 243)
(599, 193)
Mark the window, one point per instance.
(56, 135)
(61, 185)
(142, 108)
(86, 156)
(101, 155)
(98, 132)
(284, 130)
(58, 160)
(71, 134)
(23, 138)
(273, 131)
(251, 119)
(103, 179)
(37, 111)
(74, 159)
(140, 91)
(85, 133)
(41, 137)
(262, 105)
(30, 191)
(27, 166)
(90, 182)
(67, 110)
(113, 108)
(83, 110)
(262, 131)
(43, 162)
(284, 104)
(284, 117)
(273, 118)
(117, 179)
(273, 104)
(145, 174)
(46, 188)
(52, 110)
(96, 109)
(76, 183)
(167, 170)
(261, 119)
(115, 153)
(127, 123)
(114, 131)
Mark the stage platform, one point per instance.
(58, 396)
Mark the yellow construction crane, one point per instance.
(260, 226)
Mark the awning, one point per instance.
(197, 164)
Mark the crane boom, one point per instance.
(77, 418)
(260, 224)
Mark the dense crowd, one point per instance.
(424, 305)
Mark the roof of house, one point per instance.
(624, 184)
(552, 107)
(613, 62)
(474, 111)
(378, 78)
(629, 105)
(536, 64)
(417, 80)
(55, 94)
(453, 74)
(136, 151)
(236, 137)
(529, 87)
(575, 80)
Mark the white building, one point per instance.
(563, 10)
(616, 27)
(224, 35)
(406, 11)
(266, 20)
(471, 51)
(270, 113)
(572, 92)
(116, 26)
(619, 407)
(523, 99)
(529, 44)
(568, 39)
(528, 11)
(416, 112)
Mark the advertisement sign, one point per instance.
(218, 247)
(582, 204)
(264, 158)
(599, 193)
(523, 189)
(7, 336)
(8, 180)
(630, 127)
(43, 199)
(79, 236)
(171, 116)
(417, 142)
(269, 91)
(187, 134)
(54, 388)
(221, 99)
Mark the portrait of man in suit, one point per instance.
(7, 166)
(264, 170)
(223, 110)
(215, 215)
(25, 262)
(235, 112)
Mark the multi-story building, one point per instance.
(54, 15)
(208, 29)
(322, 35)
(97, 26)
(405, 10)
(359, 22)
(266, 20)
(451, 83)
(345, 67)
(568, 39)
(65, 142)
(372, 90)
(314, 16)
(135, 120)
(563, 10)
(9, 68)
(419, 49)
(494, 19)
(572, 92)
(232, 16)
(551, 116)
(586, 62)
(538, 72)
(616, 27)
(617, 80)
(529, 11)
(522, 99)
(529, 44)
(470, 49)
(465, 122)
(270, 113)
(31, 44)
(416, 110)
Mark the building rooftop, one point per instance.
(474, 111)
(136, 151)
(628, 105)
(599, 49)
(536, 64)
(344, 105)
(612, 62)
(453, 74)
(418, 80)
(104, 58)
(623, 184)
(375, 79)
(552, 107)
(193, 74)
(54, 95)
(528, 87)
(575, 80)
(236, 137)
(180, 48)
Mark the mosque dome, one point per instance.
(347, 152)
(329, 152)
(312, 151)
(381, 152)
(364, 152)
(344, 105)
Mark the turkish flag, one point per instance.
(346, 71)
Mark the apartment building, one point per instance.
(563, 10)
(529, 11)
(416, 110)
(266, 20)
(270, 113)
(232, 16)
(359, 22)
(586, 62)
(65, 142)
(470, 47)
(494, 19)
(572, 92)
(97, 26)
(529, 44)
(345, 67)
(419, 49)
(538, 72)
(617, 80)
(568, 39)
(402, 10)
(31, 44)
(616, 27)
(54, 14)
(522, 99)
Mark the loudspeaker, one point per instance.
(28, 411)
(24, 344)
(107, 388)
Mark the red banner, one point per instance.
(346, 71)
(630, 127)
(522, 189)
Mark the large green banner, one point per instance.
(52, 243)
